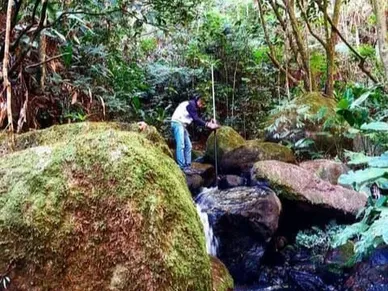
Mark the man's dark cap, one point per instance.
(197, 96)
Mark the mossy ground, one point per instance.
(105, 210)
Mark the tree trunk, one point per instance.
(6, 83)
(330, 52)
(303, 50)
(271, 53)
(380, 8)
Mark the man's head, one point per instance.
(199, 101)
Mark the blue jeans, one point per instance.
(183, 144)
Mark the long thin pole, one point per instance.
(215, 132)
(7, 84)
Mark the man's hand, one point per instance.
(212, 125)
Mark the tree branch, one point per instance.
(37, 32)
(283, 24)
(361, 59)
(46, 61)
(271, 55)
(303, 49)
(316, 36)
(25, 30)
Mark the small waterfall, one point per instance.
(211, 240)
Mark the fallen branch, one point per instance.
(46, 61)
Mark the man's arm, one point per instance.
(191, 108)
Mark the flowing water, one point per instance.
(211, 240)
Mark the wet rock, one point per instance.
(227, 139)
(206, 171)
(371, 274)
(244, 219)
(231, 181)
(202, 175)
(327, 170)
(195, 183)
(241, 160)
(298, 185)
(305, 281)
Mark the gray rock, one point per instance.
(244, 219)
(231, 181)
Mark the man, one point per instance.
(184, 115)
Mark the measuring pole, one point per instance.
(215, 131)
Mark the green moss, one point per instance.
(227, 139)
(68, 132)
(272, 151)
(222, 280)
(315, 101)
(103, 209)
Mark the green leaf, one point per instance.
(359, 177)
(357, 158)
(360, 100)
(343, 104)
(377, 126)
(379, 162)
(381, 201)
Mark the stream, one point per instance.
(254, 265)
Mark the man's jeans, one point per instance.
(183, 144)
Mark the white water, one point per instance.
(211, 240)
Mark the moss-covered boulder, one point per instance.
(241, 159)
(293, 183)
(105, 210)
(68, 132)
(290, 123)
(227, 140)
(222, 281)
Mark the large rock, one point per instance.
(102, 211)
(244, 219)
(290, 124)
(241, 159)
(227, 139)
(297, 184)
(288, 120)
(59, 133)
(327, 170)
